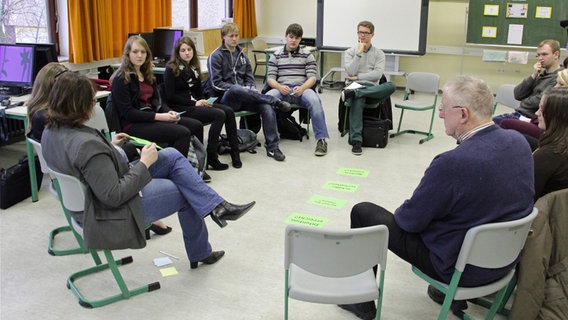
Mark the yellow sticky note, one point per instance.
(171, 271)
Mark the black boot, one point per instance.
(236, 159)
(214, 163)
(228, 211)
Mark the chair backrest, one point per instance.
(336, 253)
(37, 148)
(72, 191)
(506, 96)
(259, 44)
(98, 121)
(495, 245)
(424, 82)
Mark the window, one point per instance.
(24, 21)
(200, 13)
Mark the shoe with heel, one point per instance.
(211, 259)
(228, 211)
(157, 230)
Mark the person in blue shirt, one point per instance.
(486, 178)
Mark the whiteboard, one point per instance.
(400, 25)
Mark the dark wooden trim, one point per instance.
(193, 17)
(52, 23)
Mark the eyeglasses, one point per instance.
(363, 33)
(443, 110)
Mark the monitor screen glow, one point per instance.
(16, 65)
(164, 41)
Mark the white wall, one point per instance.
(273, 17)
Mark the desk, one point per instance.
(21, 113)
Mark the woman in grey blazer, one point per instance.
(123, 198)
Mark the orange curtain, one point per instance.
(98, 29)
(244, 15)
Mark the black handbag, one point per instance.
(375, 132)
(15, 182)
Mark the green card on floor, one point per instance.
(306, 219)
(327, 201)
(341, 186)
(353, 172)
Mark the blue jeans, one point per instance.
(311, 101)
(176, 187)
(238, 97)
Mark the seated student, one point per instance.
(137, 100)
(122, 198)
(531, 129)
(484, 179)
(37, 111)
(231, 79)
(185, 94)
(529, 91)
(364, 64)
(292, 73)
(551, 157)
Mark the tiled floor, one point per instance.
(248, 282)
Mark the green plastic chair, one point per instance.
(427, 84)
(334, 266)
(72, 196)
(492, 246)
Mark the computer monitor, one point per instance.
(44, 53)
(164, 41)
(16, 68)
(148, 36)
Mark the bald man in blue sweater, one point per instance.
(486, 178)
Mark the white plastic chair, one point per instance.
(72, 196)
(259, 47)
(59, 230)
(98, 121)
(492, 246)
(334, 267)
(427, 84)
(506, 97)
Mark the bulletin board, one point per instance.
(516, 22)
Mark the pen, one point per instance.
(169, 255)
(179, 113)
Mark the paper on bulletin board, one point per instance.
(543, 12)
(494, 55)
(515, 35)
(491, 10)
(519, 57)
(489, 32)
(517, 10)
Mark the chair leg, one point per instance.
(64, 252)
(398, 133)
(286, 295)
(113, 266)
(345, 131)
(429, 136)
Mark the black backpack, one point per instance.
(288, 127)
(247, 142)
